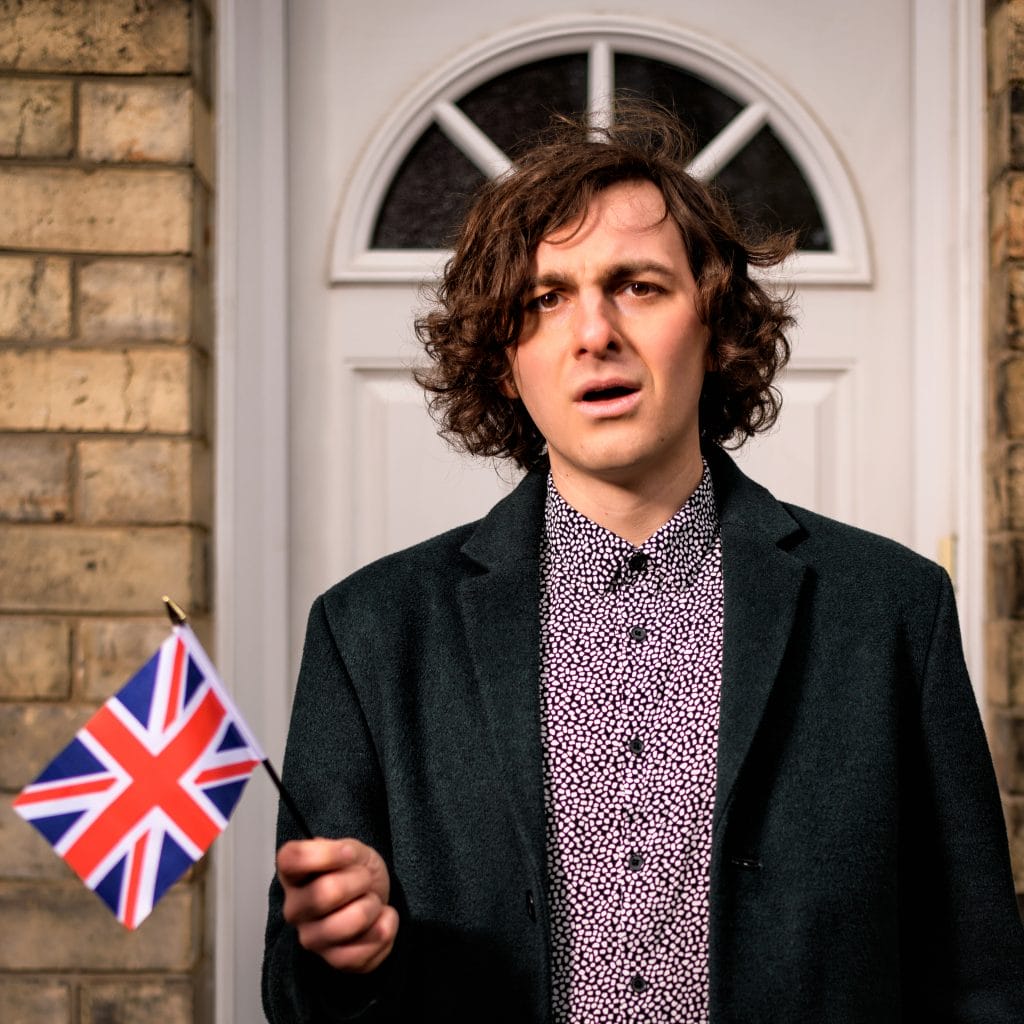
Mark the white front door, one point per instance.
(867, 97)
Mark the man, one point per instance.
(643, 743)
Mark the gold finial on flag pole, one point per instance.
(174, 612)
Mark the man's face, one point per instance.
(611, 357)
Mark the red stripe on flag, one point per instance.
(154, 784)
(41, 796)
(134, 880)
(176, 681)
(225, 771)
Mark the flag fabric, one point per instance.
(149, 782)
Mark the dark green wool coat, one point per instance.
(859, 867)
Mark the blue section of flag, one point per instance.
(193, 679)
(109, 888)
(54, 827)
(137, 694)
(225, 796)
(174, 862)
(72, 761)
(232, 739)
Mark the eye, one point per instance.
(540, 303)
(641, 289)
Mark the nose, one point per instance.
(594, 326)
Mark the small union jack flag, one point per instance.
(149, 782)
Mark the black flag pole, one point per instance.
(179, 618)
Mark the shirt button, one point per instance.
(638, 633)
(639, 983)
(636, 745)
(636, 861)
(638, 562)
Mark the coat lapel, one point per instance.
(500, 603)
(762, 588)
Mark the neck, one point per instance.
(633, 509)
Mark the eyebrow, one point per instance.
(617, 272)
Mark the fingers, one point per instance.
(321, 895)
(301, 858)
(301, 862)
(359, 953)
(335, 895)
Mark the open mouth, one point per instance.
(606, 394)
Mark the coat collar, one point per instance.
(500, 600)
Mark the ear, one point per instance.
(508, 386)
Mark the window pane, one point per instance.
(768, 190)
(704, 109)
(513, 107)
(428, 196)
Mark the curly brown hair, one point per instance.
(478, 312)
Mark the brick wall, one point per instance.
(1005, 682)
(105, 327)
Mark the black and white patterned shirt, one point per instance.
(631, 668)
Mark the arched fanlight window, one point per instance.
(753, 140)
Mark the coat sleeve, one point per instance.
(331, 769)
(963, 944)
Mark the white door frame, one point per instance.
(252, 642)
(254, 650)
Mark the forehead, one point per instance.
(627, 215)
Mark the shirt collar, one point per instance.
(582, 550)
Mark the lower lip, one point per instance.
(610, 407)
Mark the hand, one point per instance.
(336, 896)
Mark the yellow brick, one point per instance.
(31, 735)
(204, 323)
(35, 658)
(24, 853)
(70, 928)
(203, 147)
(1011, 396)
(78, 389)
(143, 480)
(134, 300)
(997, 56)
(35, 118)
(1013, 808)
(1015, 217)
(111, 651)
(997, 674)
(118, 36)
(35, 1001)
(136, 122)
(34, 478)
(74, 569)
(1006, 738)
(111, 210)
(167, 1001)
(35, 298)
